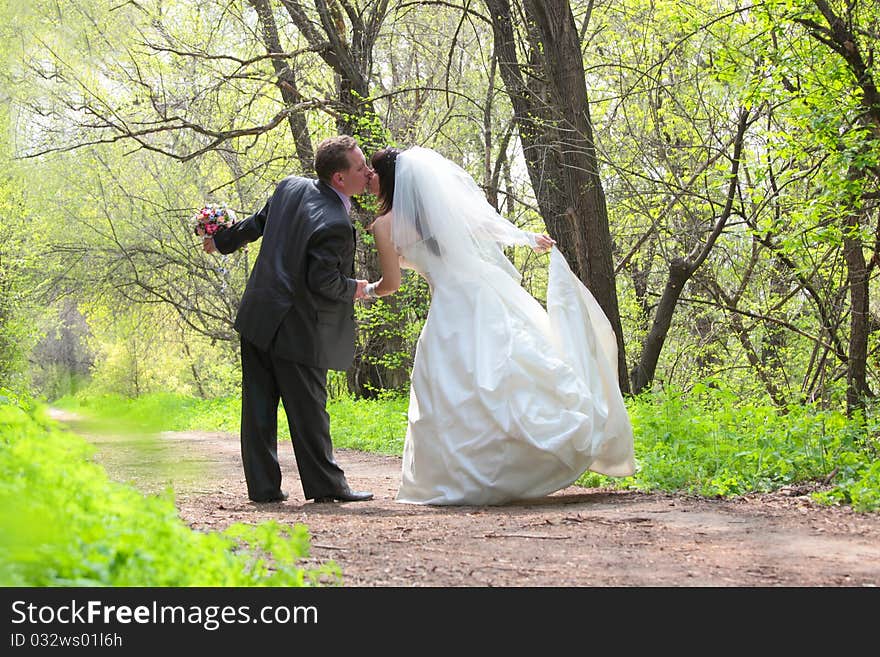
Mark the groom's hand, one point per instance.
(208, 245)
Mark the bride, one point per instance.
(508, 401)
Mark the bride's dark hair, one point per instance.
(384, 162)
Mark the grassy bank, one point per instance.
(64, 523)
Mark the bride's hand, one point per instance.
(543, 243)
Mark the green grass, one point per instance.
(369, 425)
(709, 442)
(372, 426)
(153, 413)
(64, 523)
(712, 443)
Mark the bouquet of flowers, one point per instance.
(211, 219)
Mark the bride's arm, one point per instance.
(389, 261)
(493, 226)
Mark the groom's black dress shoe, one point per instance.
(346, 495)
(278, 497)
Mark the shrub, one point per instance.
(64, 523)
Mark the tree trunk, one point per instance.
(552, 112)
(857, 273)
(287, 85)
(643, 373)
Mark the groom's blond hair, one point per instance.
(332, 156)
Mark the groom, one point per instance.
(296, 321)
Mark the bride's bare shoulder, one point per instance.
(382, 223)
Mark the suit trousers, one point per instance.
(265, 380)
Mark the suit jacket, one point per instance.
(298, 303)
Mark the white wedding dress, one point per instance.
(508, 401)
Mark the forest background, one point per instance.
(709, 169)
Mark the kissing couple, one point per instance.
(508, 400)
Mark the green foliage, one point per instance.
(63, 523)
(15, 253)
(396, 321)
(858, 484)
(713, 443)
(146, 350)
(12, 329)
(368, 130)
(857, 474)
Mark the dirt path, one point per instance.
(576, 537)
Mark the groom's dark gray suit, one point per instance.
(296, 321)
